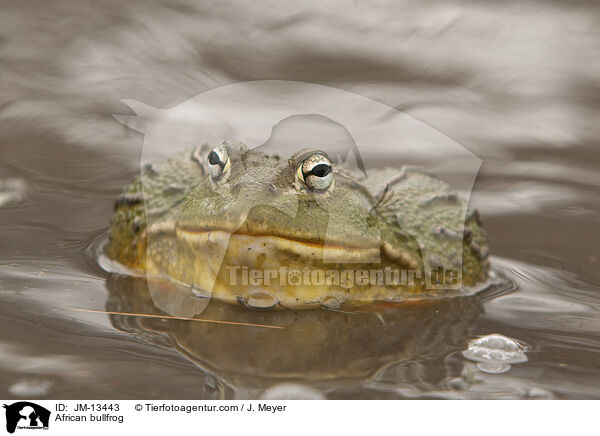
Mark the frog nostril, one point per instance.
(272, 186)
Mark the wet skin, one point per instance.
(205, 216)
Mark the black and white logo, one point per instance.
(26, 415)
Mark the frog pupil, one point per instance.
(321, 170)
(213, 158)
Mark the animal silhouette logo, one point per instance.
(26, 415)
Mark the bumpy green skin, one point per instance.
(418, 221)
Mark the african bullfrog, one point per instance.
(238, 224)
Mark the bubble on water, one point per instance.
(259, 300)
(292, 391)
(493, 367)
(495, 353)
(331, 303)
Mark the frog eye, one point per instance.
(316, 172)
(218, 161)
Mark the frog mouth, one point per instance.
(254, 247)
(215, 260)
(258, 249)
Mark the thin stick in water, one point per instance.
(147, 315)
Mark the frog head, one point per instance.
(252, 213)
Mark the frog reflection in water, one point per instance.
(205, 216)
(378, 345)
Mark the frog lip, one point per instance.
(368, 251)
(275, 244)
(259, 231)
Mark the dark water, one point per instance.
(516, 83)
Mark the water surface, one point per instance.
(515, 83)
